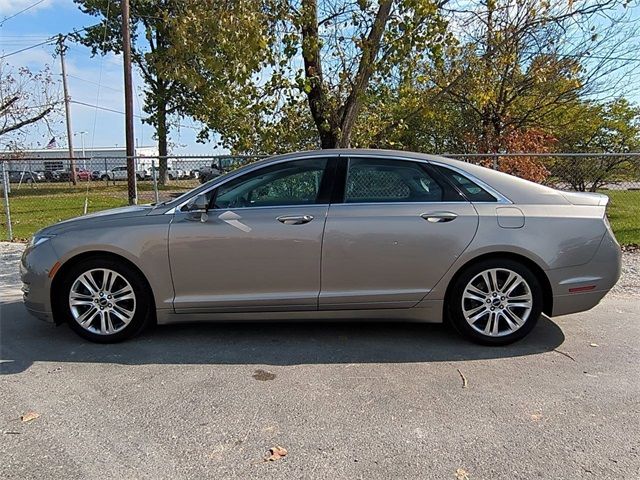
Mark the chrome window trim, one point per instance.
(350, 204)
(250, 169)
(501, 199)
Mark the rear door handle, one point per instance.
(295, 219)
(439, 217)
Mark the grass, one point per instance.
(35, 207)
(624, 215)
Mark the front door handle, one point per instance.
(295, 219)
(439, 217)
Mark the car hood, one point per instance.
(104, 215)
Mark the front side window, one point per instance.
(371, 180)
(289, 183)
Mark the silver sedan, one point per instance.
(332, 234)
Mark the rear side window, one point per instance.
(471, 190)
(372, 180)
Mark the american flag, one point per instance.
(52, 143)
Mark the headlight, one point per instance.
(38, 239)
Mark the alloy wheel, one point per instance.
(102, 301)
(497, 302)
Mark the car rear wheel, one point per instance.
(105, 301)
(495, 302)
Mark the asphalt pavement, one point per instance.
(346, 400)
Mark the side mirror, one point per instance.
(200, 204)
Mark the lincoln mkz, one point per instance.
(332, 234)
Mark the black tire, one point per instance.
(455, 310)
(142, 317)
(104, 177)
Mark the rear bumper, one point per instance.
(580, 288)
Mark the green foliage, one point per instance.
(303, 69)
(590, 127)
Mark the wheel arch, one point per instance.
(547, 295)
(56, 282)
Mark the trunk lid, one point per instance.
(586, 198)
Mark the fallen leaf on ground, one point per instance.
(29, 416)
(462, 474)
(463, 378)
(594, 345)
(276, 453)
(263, 375)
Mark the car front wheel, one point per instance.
(495, 302)
(105, 301)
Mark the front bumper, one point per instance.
(580, 288)
(35, 266)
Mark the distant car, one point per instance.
(82, 175)
(171, 173)
(51, 175)
(332, 234)
(210, 172)
(116, 173)
(24, 176)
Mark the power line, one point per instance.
(113, 110)
(93, 83)
(21, 11)
(48, 41)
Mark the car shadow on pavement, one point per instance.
(25, 340)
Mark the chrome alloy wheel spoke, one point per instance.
(102, 301)
(497, 302)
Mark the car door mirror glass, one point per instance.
(198, 204)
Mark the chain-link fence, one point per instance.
(40, 191)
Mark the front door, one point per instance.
(397, 231)
(258, 247)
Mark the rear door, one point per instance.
(391, 234)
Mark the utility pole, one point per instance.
(128, 106)
(67, 110)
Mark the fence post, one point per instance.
(495, 161)
(155, 180)
(5, 188)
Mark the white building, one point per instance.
(98, 158)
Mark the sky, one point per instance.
(99, 80)
(91, 80)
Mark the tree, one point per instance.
(502, 86)
(25, 99)
(150, 43)
(320, 53)
(519, 61)
(597, 128)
